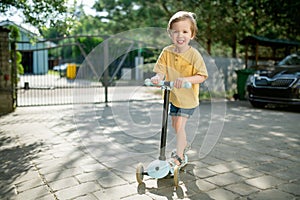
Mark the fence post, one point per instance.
(106, 72)
(6, 74)
(14, 73)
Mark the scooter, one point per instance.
(161, 168)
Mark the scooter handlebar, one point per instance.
(170, 84)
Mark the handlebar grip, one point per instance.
(170, 84)
(187, 85)
(148, 82)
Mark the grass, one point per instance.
(52, 72)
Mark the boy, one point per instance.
(181, 63)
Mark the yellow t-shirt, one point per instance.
(179, 65)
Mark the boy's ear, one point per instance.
(169, 33)
(193, 37)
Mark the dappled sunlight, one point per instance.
(264, 182)
(235, 141)
(277, 134)
(292, 139)
(92, 150)
(265, 139)
(226, 167)
(257, 126)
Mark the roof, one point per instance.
(263, 41)
(6, 23)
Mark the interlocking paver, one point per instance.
(248, 172)
(264, 182)
(201, 185)
(242, 189)
(78, 190)
(271, 194)
(111, 181)
(269, 167)
(220, 193)
(34, 193)
(203, 173)
(72, 172)
(44, 157)
(116, 192)
(225, 179)
(63, 183)
(292, 188)
(29, 184)
(87, 197)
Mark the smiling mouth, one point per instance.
(180, 41)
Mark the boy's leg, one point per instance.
(178, 123)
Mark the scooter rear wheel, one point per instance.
(139, 173)
(176, 175)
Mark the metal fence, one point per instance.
(51, 89)
(41, 85)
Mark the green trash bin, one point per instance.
(242, 76)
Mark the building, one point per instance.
(33, 49)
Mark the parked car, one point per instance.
(279, 86)
(62, 69)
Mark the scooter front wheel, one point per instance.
(176, 175)
(139, 173)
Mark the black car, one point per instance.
(279, 86)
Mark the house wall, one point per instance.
(40, 60)
(40, 57)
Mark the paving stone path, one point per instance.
(89, 152)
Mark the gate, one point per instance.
(50, 72)
(51, 89)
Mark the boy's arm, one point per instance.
(196, 79)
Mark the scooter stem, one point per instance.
(163, 140)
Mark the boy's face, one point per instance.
(181, 34)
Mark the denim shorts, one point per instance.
(184, 112)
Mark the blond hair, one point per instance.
(182, 15)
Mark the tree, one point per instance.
(222, 23)
(36, 12)
(129, 14)
(284, 16)
(87, 45)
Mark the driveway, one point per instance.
(91, 152)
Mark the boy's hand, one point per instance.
(178, 83)
(157, 79)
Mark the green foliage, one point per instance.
(87, 44)
(14, 33)
(20, 68)
(37, 12)
(14, 36)
(222, 23)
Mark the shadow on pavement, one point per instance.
(15, 161)
(252, 141)
(187, 188)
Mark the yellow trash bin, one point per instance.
(71, 71)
